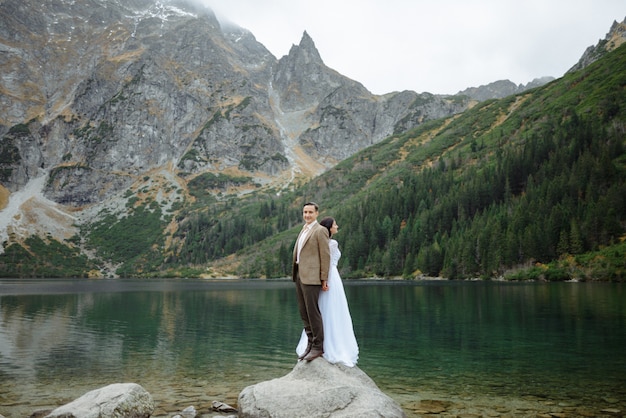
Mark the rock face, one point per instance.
(123, 400)
(318, 389)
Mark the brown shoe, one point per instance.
(315, 353)
(307, 351)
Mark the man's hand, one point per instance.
(324, 285)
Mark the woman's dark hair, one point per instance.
(328, 223)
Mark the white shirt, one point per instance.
(306, 229)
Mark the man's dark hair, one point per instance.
(317, 209)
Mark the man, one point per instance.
(311, 262)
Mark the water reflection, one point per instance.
(201, 340)
(523, 339)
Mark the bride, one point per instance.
(340, 344)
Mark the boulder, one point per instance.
(318, 389)
(128, 400)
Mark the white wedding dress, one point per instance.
(340, 344)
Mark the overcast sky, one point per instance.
(436, 46)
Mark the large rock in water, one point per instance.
(318, 389)
(127, 400)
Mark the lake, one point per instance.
(488, 348)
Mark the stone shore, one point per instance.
(202, 394)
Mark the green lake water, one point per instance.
(508, 347)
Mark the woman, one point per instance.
(340, 344)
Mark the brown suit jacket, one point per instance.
(314, 257)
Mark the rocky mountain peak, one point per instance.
(613, 39)
(306, 50)
(502, 88)
(303, 77)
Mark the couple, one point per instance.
(322, 301)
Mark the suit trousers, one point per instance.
(308, 296)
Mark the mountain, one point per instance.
(100, 97)
(143, 137)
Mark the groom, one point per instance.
(311, 262)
